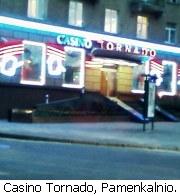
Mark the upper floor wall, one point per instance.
(151, 20)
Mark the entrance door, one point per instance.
(108, 83)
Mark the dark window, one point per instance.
(170, 33)
(172, 1)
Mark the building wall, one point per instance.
(172, 14)
(93, 14)
(28, 97)
(13, 7)
(124, 79)
(92, 79)
(58, 12)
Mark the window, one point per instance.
(142, 27)
(33, 67)
(111, 21)
(168, 85)
(74, 65)
(170, 33)
(172, 1)
(138, 79)
(37, 9)
(75, 13)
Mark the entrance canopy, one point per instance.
(119, 55)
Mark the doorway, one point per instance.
(108, 82)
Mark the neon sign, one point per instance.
(35, 63)
(74, 41)
(55, 66)
(10, 64)
(80, 42)
(29, 25)
(127, 48)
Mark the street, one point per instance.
(20, 159)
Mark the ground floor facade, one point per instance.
(40, 55)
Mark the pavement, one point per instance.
(165, 136)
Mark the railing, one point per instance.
(91, 1)
(153, 7)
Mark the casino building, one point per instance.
(61, 47)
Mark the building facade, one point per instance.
(104, 46)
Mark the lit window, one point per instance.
(33, 63)
(170, 33)
(168, 85)
(37, 9)
(142, 27)
(75, 13)
(111, 21)
(74, 66)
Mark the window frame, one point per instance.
(169, 29)
(143, 26)
(75, 15)
(109, 25)
(173, 82)
(81, 82)
(42, 77)
(37, 10)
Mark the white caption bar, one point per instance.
(93, 187)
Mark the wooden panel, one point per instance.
(92, 79)
(124, 79)
(104, 80)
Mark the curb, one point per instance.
(94, 143)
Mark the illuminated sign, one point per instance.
(30, 25)
(53, 63)
(81, 42)
(35, 63)
(9, 64)
(55, 66)
(74, 41)
(166, 73)
(127, 48)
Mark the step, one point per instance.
(128, 108)
(21, 115)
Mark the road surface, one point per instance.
(20, 159)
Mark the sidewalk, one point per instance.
(165, 136)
